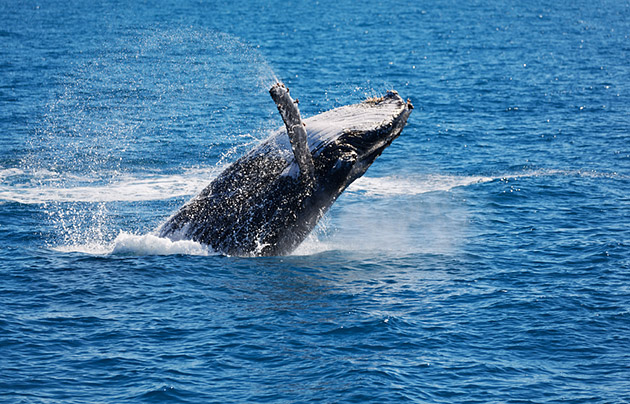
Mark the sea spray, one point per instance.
(94, 133)
(193, 85)
(426, 218)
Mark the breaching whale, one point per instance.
(268, 201)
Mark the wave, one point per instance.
(127, 244)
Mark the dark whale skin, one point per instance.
(260, 206)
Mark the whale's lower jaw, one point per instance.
(254, 208)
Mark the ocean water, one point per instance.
(483, 258)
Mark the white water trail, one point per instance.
(395, 186)
(121, 188)
(153, 187)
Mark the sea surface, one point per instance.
(483, 258)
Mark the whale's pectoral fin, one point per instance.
(296, 129)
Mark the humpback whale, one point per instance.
(268, 201)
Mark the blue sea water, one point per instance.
(484, 257)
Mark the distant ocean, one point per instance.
(483, 258)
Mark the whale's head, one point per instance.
(345, 141)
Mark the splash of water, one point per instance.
(101, 136)
(126, 244)
(149, 244)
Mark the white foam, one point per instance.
(149, 244)
(10, 172)
(394, 186)
(125, 189)
(138, 245)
